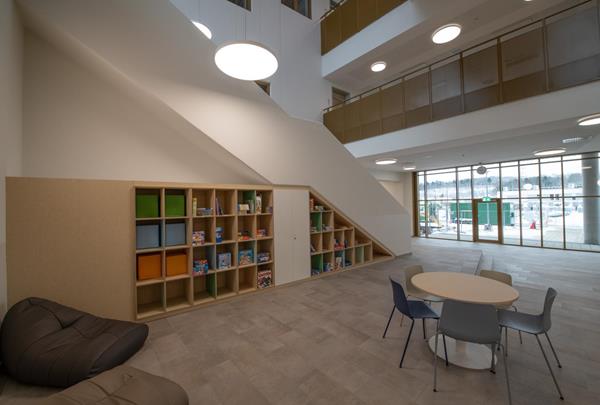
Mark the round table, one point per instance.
(466, 288)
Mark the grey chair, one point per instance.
(534, 325)
(504, 278)
(475, 323)
(414, 292)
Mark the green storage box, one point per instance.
(146, 206)
(174, 205)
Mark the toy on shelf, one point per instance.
(269, 210)
(261, 233)
(200, 266)
(337, 245)
(219, 234)
(327, 228)
(326, 267)
(244, 235)
(258, 203)
(243, 209)
(265, 278)
(263, 257)
(198, 238)
(203, 212)
(311, 204)
(245, 257)
(224, 260)
(338, 263)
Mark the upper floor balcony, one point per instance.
(559, 51)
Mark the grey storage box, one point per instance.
(175, 234)
(147, 236)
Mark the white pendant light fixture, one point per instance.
(246, 60)
(446, 33)
(203, 29)
(409, 166)
(378, 66)
(549, 152)
(589, 120)
(386, 161)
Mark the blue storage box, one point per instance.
(147, 236)
(175, 234)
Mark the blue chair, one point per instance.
(413, 310)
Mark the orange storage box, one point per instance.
(176, 264)
(148, 266)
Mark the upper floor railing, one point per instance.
(556, 52)
(349, 17)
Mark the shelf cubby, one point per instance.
(316, 264)
(328, 262)
(246, 197)
(339, 258)
(203, 253)
(368, 252)
(223, 249)
(175, 232)
(338, 240)
(202, 200)
(264, 248)
(246, 254)
(316, 223)
(327, 221)
(349, 237)
(266, 202)
(225, 202)
(247, 279)
(246, 229)
(178, 294)
(264, 276)
(264, 223)
(327, 241)
(205, 288)
(203, 226)
(226, 226)
(147, 203)
(148, 234)
(226, 283)
(348, 257)
(359, 255)
(175, 203)
(149, 266)
(150, 300)
(176, 263)
(316, 243)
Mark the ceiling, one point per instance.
(481, 20)
(494, 147)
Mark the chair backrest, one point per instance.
(400, 301)
(548, 302)
(476, 323)
(409, 272)
(497, 275)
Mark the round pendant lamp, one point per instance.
(246, 60)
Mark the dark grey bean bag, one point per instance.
(121, 386)
(45, 343)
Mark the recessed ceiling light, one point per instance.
(246, 60)
(203, 29)
(386, 161)
(378, 66)
(409, 166)
(573, 140)
(589, 120)
(550, 152)
(446, 33)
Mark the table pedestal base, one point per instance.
(467, 355)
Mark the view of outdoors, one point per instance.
(551, 202)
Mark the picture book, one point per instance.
(265, 278)
(245, 257)
(223, 260)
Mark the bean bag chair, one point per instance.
(121, 386)
(45, 343)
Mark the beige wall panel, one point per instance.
(72, 241)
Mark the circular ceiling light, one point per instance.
(575, 139)
(386, 161)
(378, 66)
(203, 29)
(446, 33)
(589, 120)
(481, 170)
(246, 60)
(409, 166)
(550, 152)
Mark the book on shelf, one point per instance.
(224, 260)
(311, 204)
(200, 266)
(263, 257)
(195, 205)
(198, 238)
(245, 257)
(265, 278)
(218, 208)
(219, 234)
(258, 202)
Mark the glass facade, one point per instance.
(549, 202)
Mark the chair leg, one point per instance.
(445, 350)
(424, 333)
(435, 356)
(553, 351)
(520, 334)
(506, 341)
(407, 340)
(388, 323)
(503, 354)
(493, 366)
(549, 367)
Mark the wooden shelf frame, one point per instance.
(163, 295)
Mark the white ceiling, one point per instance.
(481, 20)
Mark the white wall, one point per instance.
(401, 189)
(298, 86)
(11, 42)
(77, 125)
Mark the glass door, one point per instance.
(487, 220)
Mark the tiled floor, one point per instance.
(319, 342)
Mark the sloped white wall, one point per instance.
(11, 48)
(152, 47)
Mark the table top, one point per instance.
(466, 288)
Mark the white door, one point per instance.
(292, 237)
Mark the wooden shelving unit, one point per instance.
(198, 245)
(336, 243)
